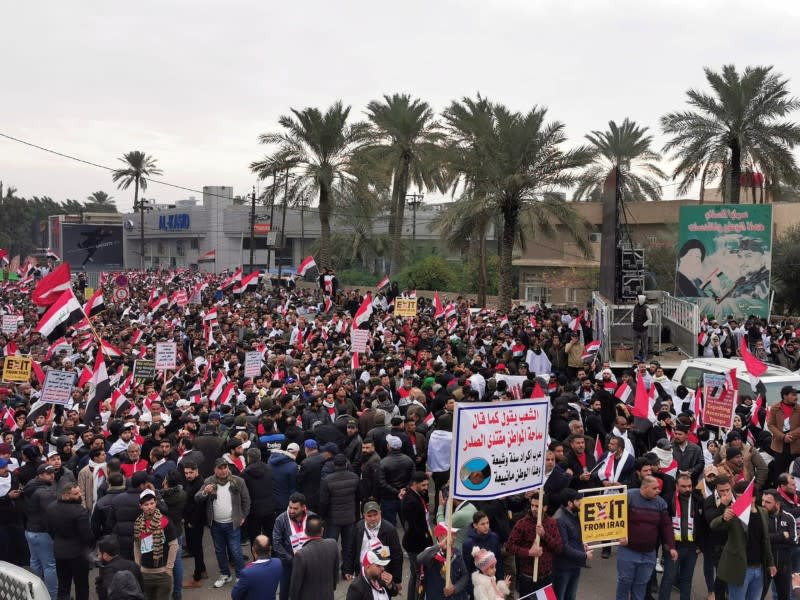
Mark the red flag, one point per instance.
(307, 264)
(623, 393)
(598, 449)
(755, 418)
(642, 407)
(364, 312)
(741, 506)
(50, 288)
(438, 309)
(383, 283)
(755, 367)
(63, 313)
(537, 392)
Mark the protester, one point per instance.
(259, 579)
(68, 525)
(112, 563)
(315, 568)
(155, 549)
(433, 559)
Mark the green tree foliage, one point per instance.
(429, 273)
(24, 221)
(786, 271)
(100, 201)
(738, 126)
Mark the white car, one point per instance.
(690, 374)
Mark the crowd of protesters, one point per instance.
(332, 469)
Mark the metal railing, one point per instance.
(17, 583)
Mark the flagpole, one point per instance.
(537, 541)
(449, 521)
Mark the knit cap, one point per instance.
(484, 559)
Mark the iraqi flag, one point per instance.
(51, 254)
(159, 303)
(642, 404)
(428, 420)
(591, 349)
(623, 393)
(63, 313)
(232, 280)
(210, 315)
(95, 304)
(742, 505)
(575, 324)
(110, 349)
(354, 362)
(546, 593)
(219, 386)
(228, 394)
(3, 256)
(209, 256)
(702, 338)
(248, 282)
(598, 449)
(450, 310)
(438, 308)
(48, 290)
(364, 311)
(755, 367)
(755, 417)
(305, 266)
(99, 389)
(382, 283)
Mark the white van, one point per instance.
(690, 374)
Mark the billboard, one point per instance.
(724, 258)
(92, 247)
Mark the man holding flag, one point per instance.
(747, 554)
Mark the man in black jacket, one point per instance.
(257, 476)
(372, 533)
(112, 563)
(310, 475)
(68, 524)
(369, 467)
(124, 510)
(374, 578)
(783, 538)
(38, 494)
(394, 474)
(194, 519)
(338, 501)
(417, 535)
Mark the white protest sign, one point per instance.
(252, 363)
(9, 324)
(166, 355)
(57, 387)
(498, 448)
(358, 340)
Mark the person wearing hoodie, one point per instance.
(283, 464)
(257, 477)
(68, 525)
(38, 494)
(175, 497)
(480, 535)
(110, 564)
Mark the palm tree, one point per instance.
(138, 167)
(626, 147)
(406, 139)
(100, 198)
(320, 146)
(739, 123)
(516, 160)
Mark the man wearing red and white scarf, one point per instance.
(617, 465)
(92, 476)
(685, 511)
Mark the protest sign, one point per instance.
(166, 355)
(57, 388)
(604, 517)
(405, 307)
(252, 363)
(17, 369)
(144, 369)
(719, 401)
(10, 323)
(358, 340)
(498, 448)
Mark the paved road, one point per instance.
(597, 583)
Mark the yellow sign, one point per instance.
(88, 293)
(604, 518)
(405, 307)
(17, 368)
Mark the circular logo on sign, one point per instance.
(121, 281)
(120, 294)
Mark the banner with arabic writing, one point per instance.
(498, 448)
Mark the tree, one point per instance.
(515, 161)
(626, 147)
(100, 202)
(785, 272)
(320, 146)
(138, 167)
(739, 124)
(406, 137)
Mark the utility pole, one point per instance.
(141, 206)
(283, 219)
(252, 227)
(414, 200)
(271, 214)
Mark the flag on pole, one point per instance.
(546, 593)
(755, 418)
(99, 390)
(383, 283)
(642, 405)
(591, 349)
(623, 393)
(307, 264)
(755, 367)
(742, 505)
(598, 449)
(247, 282)
(63, 313)
(219, 386)
(209, 256)
(364, 312)
(438, 309)
(52, 286)
(3, 256)
(354, 362)
(52, 255)
(95, 304)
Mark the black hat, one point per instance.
(220, 462)
(787, 389)
(732, 453)
(138, 478)
(340, 460)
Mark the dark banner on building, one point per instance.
(92, 247)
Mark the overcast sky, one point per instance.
(194, 83)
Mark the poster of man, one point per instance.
(724, 258)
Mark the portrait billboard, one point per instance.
(92, 247)
(724, 258)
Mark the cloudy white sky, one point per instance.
(193, 83)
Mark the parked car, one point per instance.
(690, 374)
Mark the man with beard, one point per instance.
(235, 456)
(685, 512)
(580, 464)
(369, 467)
(289, 536)
(194, 522)
(375, 581)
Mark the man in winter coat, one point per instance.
(194, 520)
(112, 563)
(68, 525)
(310, 475)
(783, 535)
(394, 474)
(432, 561)
(284, 476)
(227, 503)
(288, 537)
(368, 471)
(101, 515)
(124, 510)
(260, 578)
(567, 565)
(339, 502)
(156, 547)
(257, 476)
(417, 533)
(373, 533)
(38, 494)
(316, 565)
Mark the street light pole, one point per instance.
(252, 226)
(141, 206)
(414, 200)
(271, 214)
(283, 219)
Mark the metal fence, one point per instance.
(17, 583)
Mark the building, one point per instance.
(178, 235)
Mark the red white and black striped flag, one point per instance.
(63, 313)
